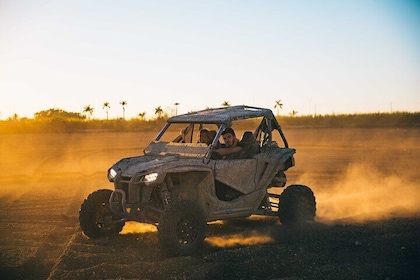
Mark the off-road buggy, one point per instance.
(179, 185)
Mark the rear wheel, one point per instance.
(181, 229)
(297, 205)
(96, 218)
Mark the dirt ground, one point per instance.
(366, 183)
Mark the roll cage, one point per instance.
(224, 117)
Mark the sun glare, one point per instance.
(134, 227)
(235, 240)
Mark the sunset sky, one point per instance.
(319, 57)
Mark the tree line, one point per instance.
(87, 112)
(60, 121)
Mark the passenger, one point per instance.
(204, 137)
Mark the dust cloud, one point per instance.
(68, 167)
(366, 194)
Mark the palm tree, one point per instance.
(142, 115)
(123, 103)
(15, 117)
(158, 111)
(106, 106)
(176, 108)
(278, 105)
(88, 110)
(226, 104)
(293, 113)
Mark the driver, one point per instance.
(232, 144)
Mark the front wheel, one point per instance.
(297, 205)
(96, 218)
(181, 229)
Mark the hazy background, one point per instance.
(356, 174)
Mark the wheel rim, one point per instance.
(186, 230)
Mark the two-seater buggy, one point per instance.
(180, 184)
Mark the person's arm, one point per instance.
(228, 151)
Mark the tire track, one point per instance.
(55, 274)
(74, 204)
(39, 223)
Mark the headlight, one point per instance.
(111, 174)
(150, 177)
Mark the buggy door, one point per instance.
(235, 177)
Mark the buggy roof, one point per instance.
(223, 115)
